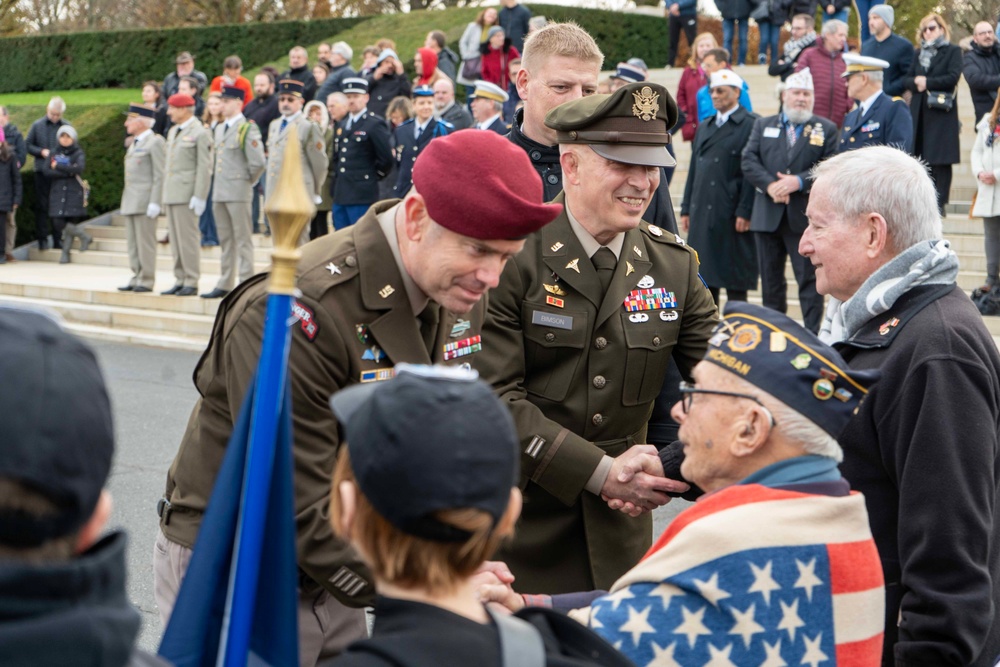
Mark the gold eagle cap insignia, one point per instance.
(647, 104)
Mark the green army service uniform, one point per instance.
(144, 169)
(239, 162)
(188, 174)
(354, 323)
(581, 367)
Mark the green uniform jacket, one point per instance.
(353, 302)
(581, 378)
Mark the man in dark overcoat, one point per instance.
(782, 150)
(717, 200)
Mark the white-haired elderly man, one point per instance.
(776, 565)
(340, 69)
(41, 142)
(825, 60)
(877, 119)
(923, 447)
(142, 195)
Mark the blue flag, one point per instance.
(221, 618)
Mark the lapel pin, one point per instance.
(629, 268)
(386, 291)
(556, 246)
(574, 265)
(332, 268)
(635, 249)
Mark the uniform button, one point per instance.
(712, 183)
(351, 261)
(656, 340)
(709, 207)
(552, 179)
(366, 177)
(549, 337)
(342, 170)
(343, 159)
(536, 155)
(716, 159)
(598, 419)
(600, 381)
(601, 342)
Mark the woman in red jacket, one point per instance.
(497, 54)
(692, 80)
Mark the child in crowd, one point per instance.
(67, 204)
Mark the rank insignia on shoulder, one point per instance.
(554, 289)
(333, 268)
(378, 375)
(460, 327)
(649, 299)
(553, 301)
(463, 347)
(679, 240)
(374, 353)
(306, 318)
(888, 326)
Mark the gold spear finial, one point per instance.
(289, 209)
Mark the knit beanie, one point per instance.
(494, 30)
(884, 12)
(66, 129)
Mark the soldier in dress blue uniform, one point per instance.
(877, 119)
(364, 156)
(414, 134)
(487, 107)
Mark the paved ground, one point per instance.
(152, 395)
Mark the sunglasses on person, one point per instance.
(930, 28)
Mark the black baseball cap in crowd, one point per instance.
(431, 438)
(58, 434)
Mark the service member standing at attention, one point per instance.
(777, 160)
(580, 332)
(876, 119)
(239, 162)
(311, 147)
(141, 196)
(185, 190)
(414, 135)
(403, 285)
(365, 156)
(717, 198)
(487, 107)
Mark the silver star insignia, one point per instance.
(332, 268)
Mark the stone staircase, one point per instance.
(85, 291)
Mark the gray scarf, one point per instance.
(926, 263)
(794, 46)
(928, 50)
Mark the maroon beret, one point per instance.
(179, 100)
(499, 194)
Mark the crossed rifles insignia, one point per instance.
(647, 104)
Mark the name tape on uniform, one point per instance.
(552, 320)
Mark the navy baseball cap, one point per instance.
(431, 438)
(58, 435)
(772, 351)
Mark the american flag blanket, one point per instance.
(752, 575)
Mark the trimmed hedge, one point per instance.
(620, 35)
(126, 58)
(101, 135)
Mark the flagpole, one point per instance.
(288, 210)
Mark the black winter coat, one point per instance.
(734, 9)
(66, 194)
(10, 184)
(16, 141)
(981, 68)
(800, 7)
(381, 91)
(935, 132)
(923, 451)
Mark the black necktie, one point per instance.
(429, 318)
(605, 262)
(420, 131)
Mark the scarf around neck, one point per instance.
(926, 263)
(793, 46)
(929, 49)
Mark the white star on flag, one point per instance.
(773, 658)
(763, 582)
(663, 657)
(813, 655)
(637, 624)
(692, 627)
(719, 657)
(807, 577)
(666, 592)
(710, 590)
(790, 618)
(746, 626)
(617, 598)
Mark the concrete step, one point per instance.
(261, 254)
(209, 263)
(118, 232)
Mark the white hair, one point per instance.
(57, 104)
(148, 122)
(884, 180)
(832, 26)
(876, 75)
(344, 49)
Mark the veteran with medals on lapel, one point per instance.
(239, 162)
(877, 119)
(578, 337)
(405, 284)
(142, 195)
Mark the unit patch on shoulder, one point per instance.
(306, 318)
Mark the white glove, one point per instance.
(197, 205)
(317, 199)
(153, 211)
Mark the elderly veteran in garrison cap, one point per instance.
(876, 119)
(582, 328)
(780, 547)
(142, 195)
(405, 284)
(487, 107)
(626, 73)
(430, 467)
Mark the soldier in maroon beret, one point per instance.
(404, 284)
